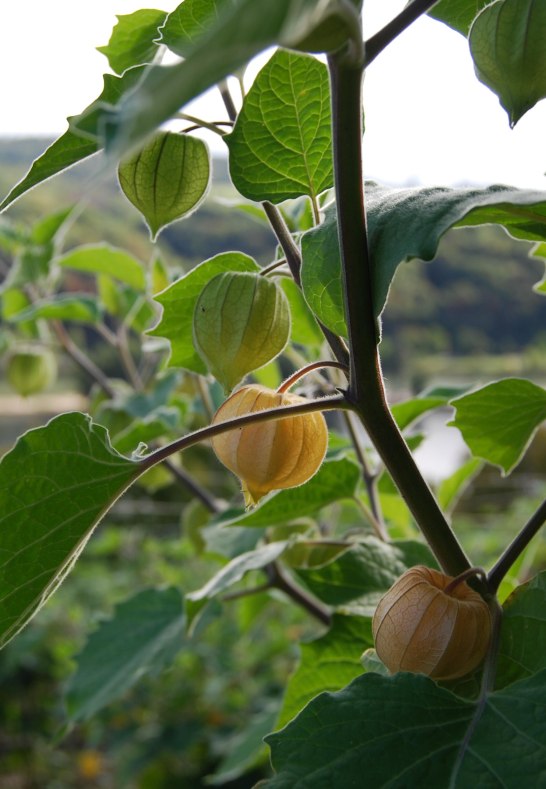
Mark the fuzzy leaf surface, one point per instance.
(142, 638)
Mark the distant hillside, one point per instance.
(475, 300)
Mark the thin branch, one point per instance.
(516, 547)
(273, 267)
(370, 479)
(81, 359)
(127, 358)
(377, 43)
(334, 402)
(308, 368)
(279, 579)
(285, 239)
(188, 482)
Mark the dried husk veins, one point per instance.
(241, 322)
(418, 627)
(267, 456)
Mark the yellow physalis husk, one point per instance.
(273, 455)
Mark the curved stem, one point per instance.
(295, 377)
(377, 43)
(333, 402)
(272, 267)
(516, 547)
(279, 579)
(470, 573)
(366, 391)
(81, 359)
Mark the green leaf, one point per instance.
(280, 147)
(231, 574)
(406, 731)
(104, 259)
(167, 179)
(240, 32)
(507, 45)
(156, 424)
(46, 229)
(241, 322)
(71, 147)
(81, 308)
(458, 14)
(409, 223)
(328, 663)
(335, 480)
(189, 21)
(134, 39)
(451, 488)
(523, 636)
(364, 573)
(310, 554)
(142, 638)
(55, 486)
(321, 273)
(407, 412)
(179, 300)
(499, 420)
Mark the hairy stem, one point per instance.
(377, 43)
(279, 579)
(366, 391)
(333, 402)
(308, 368)
(516, 547)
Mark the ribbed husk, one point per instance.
(418, 627)
(283, 453)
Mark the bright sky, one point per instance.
(428, 119)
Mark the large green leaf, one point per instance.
(240, 32)
(55, 486)
(167, 179)
(363, 574)
(304, 329)
(452, 487)
(409, 223)
(499, 420)
(507, 45)
(404, 731)
(179, 300)
(523, 636)
(327, 663)
(280, 147)
(134, 39)
(458, 14)
(142, 638)
(71, 147)
(104, 259)
(335, 480)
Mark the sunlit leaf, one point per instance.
(134, 39)
(81, 308)
(104, 259)
(280, 147)
(499, 420)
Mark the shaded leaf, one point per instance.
(189, 21)
(309, 554)
(421, 727)
(452, 487)
(156, 424)
(335, 480)
(499, 420)
(55, 486)
(179, 300)
(304, 328)
(71, 147)
(523, 636)
(458, 14)
(280, 147)
(104, 259)
(364, 573)
(327, 663)
(142, 638)
(134, 39)
(167, 179)
(507, 45)
(407, 412)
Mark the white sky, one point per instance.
(428, 119)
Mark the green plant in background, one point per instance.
(334, 545)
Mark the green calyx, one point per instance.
(241, 322)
